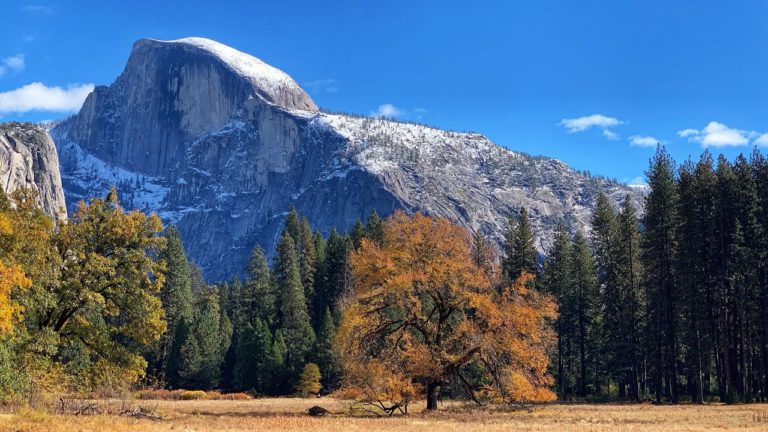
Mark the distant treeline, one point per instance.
(672, 307)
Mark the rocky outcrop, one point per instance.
(222, 145)
(28, 159)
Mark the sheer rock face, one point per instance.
(222, 145)
(28, 159)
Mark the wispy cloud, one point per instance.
(327, 85)
(643, 141)
(610, 135)
(762, 140)
(637, 182)
(12, 64)
(39, 97)
(391, 111)
(580, 124)
(388, 110)
(594, 121)
(716, 134)
(38, 9)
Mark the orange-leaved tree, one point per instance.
(424, 315)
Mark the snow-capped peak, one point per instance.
(272, 81)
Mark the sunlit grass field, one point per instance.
(285, 414)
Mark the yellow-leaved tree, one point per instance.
(11, 277)
(78, 298)
(423, 315)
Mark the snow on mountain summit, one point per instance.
(222, 145)
(274, 83)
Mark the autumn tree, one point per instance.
(104, 306)
(309, 382)
(423, 315)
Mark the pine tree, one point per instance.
(336, 273)
(520, 249)
(326, 356)
(747, 285)
(176, 361)
(255, 358)
(190, 364)
(292, 225)
(691, 268)
(604, 239)
(587, 319)
(230, 299)
(294, 319)
(726, 236)
(307, 255)
(374, 228)
(210, 335)
(482, 254)
(176, 296)
(760, 173)
(632, 309)
(258, 297)
(357, 234)
(659, 246)
(280, 377)
(196, 278)
(558, 283)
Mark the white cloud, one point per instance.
(389, 110)
(39, 97)
(38, 9)
(688, 132)
(643, 141)
(610, 135)
(762, 140)
(328, 85)
(637, 182)
(716, 134)
(580, 124)
(12, 64)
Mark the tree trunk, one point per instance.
(433, 392)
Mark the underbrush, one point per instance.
(164, 394)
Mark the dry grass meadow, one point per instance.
(285, 414)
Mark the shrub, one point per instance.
(192, 395)
(235, 396)
(310, 380)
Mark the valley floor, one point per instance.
(288, 415)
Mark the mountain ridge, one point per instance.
(183, 134)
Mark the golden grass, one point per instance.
(283, 414)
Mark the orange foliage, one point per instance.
(424, 314)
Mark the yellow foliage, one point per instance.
(193, 395)
(423, 311)
(10, 311)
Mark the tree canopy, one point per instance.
(423, 314)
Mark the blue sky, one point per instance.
(594, 83)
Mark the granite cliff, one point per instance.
(223, 145)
